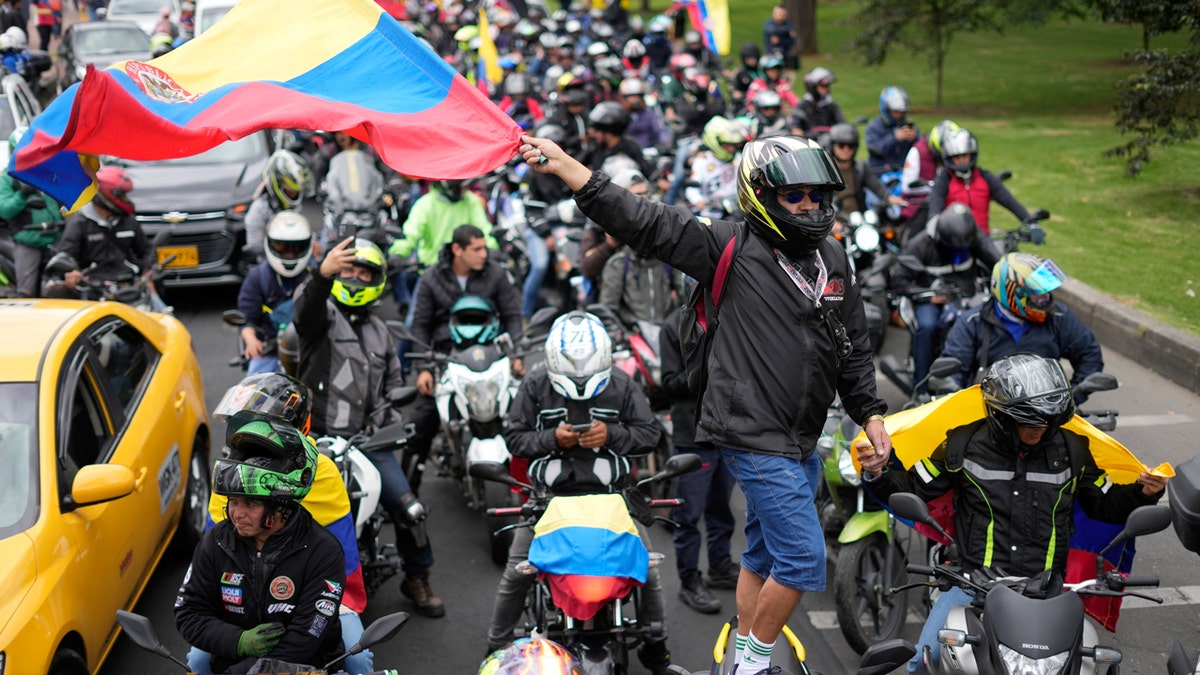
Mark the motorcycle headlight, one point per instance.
(824, 446)
(846, 468)
(482, 399)
(866, 239)
(1016, 663)
(80, 71)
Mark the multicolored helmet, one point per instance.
(1022, 283)
(355, 292)
(531, 657)
(269, 460)
(473, 321)
(578, 356)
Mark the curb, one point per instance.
(1166, 350)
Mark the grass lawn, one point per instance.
(1040, 102)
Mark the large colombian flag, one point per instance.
(710, 18)
(918, 432)
(591, 552)
(295, 64)
(329, 505)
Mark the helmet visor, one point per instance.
(290, 250)
(1046, 278)
(243, 396)
(807, 166)
(230, 478)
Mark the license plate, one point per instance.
(185, 256)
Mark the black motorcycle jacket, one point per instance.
(348, 360)
(439, 290)
(537, 410)
(296, 579)
(942, 263)
(1014, 508)
(116, 246)
(772, 367)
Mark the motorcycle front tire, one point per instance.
(867, 612)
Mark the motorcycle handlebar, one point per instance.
(924, 570)
(1139, 581)
(506, 511)
(661, 503)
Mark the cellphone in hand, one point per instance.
(581, 428)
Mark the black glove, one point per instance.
(24, 188)
(35, 202)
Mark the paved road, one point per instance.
(1159, 421)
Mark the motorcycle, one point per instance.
(141, 630)
(860, 540)
(8, 270)
(1029, 231)
(131, 289)
(473, 391)
(380, 561)
(871, 249)
(601, 642)
(1184, 500)
(1018, 625)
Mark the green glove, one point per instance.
(261, 639)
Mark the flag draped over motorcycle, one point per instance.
(292, 64)
(590, 550)
(918, 432)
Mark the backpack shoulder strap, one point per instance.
(732, 248)
(956, 443)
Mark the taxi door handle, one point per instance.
(139, 479)
(180, 400)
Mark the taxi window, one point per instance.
(85, 427)
(126, 359)
(18, 455)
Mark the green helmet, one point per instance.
(719, 134)
(15, 137)
(357, 293)
(268, 459)
(473, 321)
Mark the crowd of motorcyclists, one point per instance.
(644, 102)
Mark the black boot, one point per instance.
(696, 595)
(724, 574)
(655, 657)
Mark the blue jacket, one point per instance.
(1061, 336)
(884, 152)
(263, 289)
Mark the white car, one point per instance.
(209, 12)
(18, 107)
(145, 13)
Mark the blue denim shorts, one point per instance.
(783, 535)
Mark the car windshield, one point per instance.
(246, 149)
(136, 6)
(210, 16)
(111, 40)
(18, 456)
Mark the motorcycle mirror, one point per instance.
(1040, 214)
(1143, 520)
(234, 317)
(886, 656)
(945, 366)
(493, 471)
(908, 505)
(860, 120)
(399, 396)
(1004, 175)
(917, 184)
(381, 630)
(1096, 382)
(61, 263)
(541, 320)
(677, 465)
(141, 631)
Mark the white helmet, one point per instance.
(578, 356)
(17, 36)
(289, 243)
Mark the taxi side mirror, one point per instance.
(99, 483)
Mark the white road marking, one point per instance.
(1124, 421)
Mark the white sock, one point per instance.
(739, 649)
(758, 655)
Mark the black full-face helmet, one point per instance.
(956, 228)
(776, 162)
(1025, 390)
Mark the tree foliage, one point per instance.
(1160, 105)
(929, 26)
(1156, 17)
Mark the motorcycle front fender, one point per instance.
(370, 484)
(487, 450)
(865, 523)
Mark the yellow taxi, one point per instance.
(104, 458)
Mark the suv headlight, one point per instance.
(237, 211)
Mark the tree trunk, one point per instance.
(806, 26)
(646, 6)
(1145, 39)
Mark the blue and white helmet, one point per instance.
(578, 356)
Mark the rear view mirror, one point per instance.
(1096, 382)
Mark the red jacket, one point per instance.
(976, 194)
